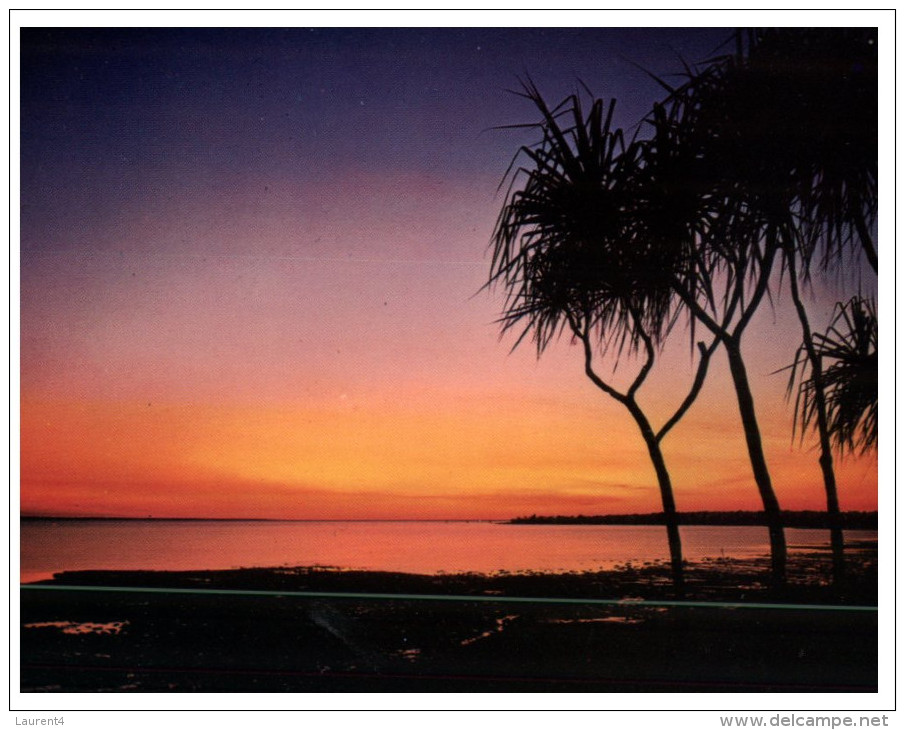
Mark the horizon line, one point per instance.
(419, 519)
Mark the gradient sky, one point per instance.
(250, 273)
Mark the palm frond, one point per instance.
(850, 378)
(562, 246)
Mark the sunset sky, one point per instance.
(251, 265)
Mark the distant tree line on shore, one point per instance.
(800, 518)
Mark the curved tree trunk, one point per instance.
(758, 460)
(837, 540)
(670, 516)
(652, 440)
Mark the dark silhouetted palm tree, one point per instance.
(761, 161)
(796, 109)
(693, 204)
(817, 415)
(779, 142)
(849, 381)
(839, 401)
(826, 107)
(564, 252)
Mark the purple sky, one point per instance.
(289, 229)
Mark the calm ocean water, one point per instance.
(414, 547)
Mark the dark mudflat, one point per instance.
(88, 640)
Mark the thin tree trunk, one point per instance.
(758, 460)
(837, 541)
(670, 516)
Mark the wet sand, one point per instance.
(615, 631)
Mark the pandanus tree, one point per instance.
(837, 396)
(694, 196)
(777, 141)
(564, 251)
(820, 89)
(791, 131)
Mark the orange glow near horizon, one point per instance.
(254, 289)
(421, 455)
(220, 390)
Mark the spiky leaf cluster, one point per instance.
(784, 132)
(563, 246)
(848, 350)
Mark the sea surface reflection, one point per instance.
(49, 547)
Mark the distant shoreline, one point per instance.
(808, 519)
(805, 519)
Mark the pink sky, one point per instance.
(226, 314)
(299, 362)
